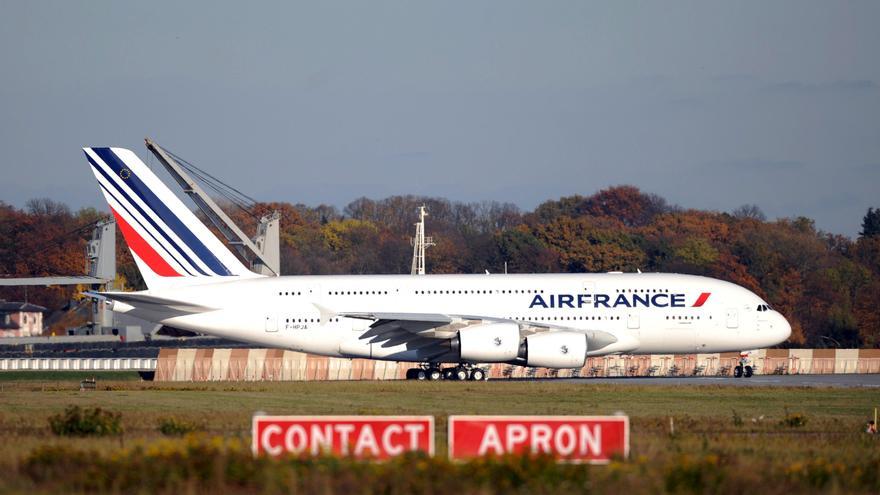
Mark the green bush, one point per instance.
(689, 474)
(174, 427)
(75, 421)
(794, 420)
(737, 419)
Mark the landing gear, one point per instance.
(464, 372)
(743, 371)
(461, 372)
(478, 375)
(424, 373)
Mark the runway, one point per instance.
(847, 381)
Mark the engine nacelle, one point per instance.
(488, 343)
(562, 349)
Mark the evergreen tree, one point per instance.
(871, 223)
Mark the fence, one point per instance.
(78, 364)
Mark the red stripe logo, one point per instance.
(143, 250)
(702, 299)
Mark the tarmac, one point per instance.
(837, 380)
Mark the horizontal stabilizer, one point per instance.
(151, 303)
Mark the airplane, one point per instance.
(544, 320)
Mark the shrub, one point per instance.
(202, 464)
(53, 462)
(737, 419)
(174, 427)
(704, 474)
(75, 421)
(794, 420)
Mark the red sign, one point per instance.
(362, 437)
(593, 439)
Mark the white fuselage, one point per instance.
(648, 313)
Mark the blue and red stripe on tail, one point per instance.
(170, 245)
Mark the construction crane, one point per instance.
(420, 242)
(263, 249)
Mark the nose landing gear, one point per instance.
(744, 371)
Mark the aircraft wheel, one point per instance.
(748, 372)
(478, 375)
(434, 374)
(421, 374)
(738, 372)
(448, 373)
(410, 374)
(461, 374)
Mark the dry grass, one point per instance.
(728, 439)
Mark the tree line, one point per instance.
(827, 285)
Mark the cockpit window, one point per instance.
(764, 307)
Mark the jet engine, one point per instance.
(488, 343)
(562, 349)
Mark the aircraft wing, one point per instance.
(425, 329)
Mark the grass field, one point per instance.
(727, 439)
(50, 376)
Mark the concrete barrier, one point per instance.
(280, 365)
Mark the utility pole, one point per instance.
(420, 242)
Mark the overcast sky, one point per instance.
(711, 105)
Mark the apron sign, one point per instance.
(593, 439)
(361, 437)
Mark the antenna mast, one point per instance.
(420, 242)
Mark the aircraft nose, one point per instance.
(781, 328)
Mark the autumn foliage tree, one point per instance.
(828, 286)
(45, 239)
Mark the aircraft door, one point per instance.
(271, 323)
(632, 321)
(316, 298)
(732, 318)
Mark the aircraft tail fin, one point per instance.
(170, 245)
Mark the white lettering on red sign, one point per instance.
(365, 437)
(594, 439)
